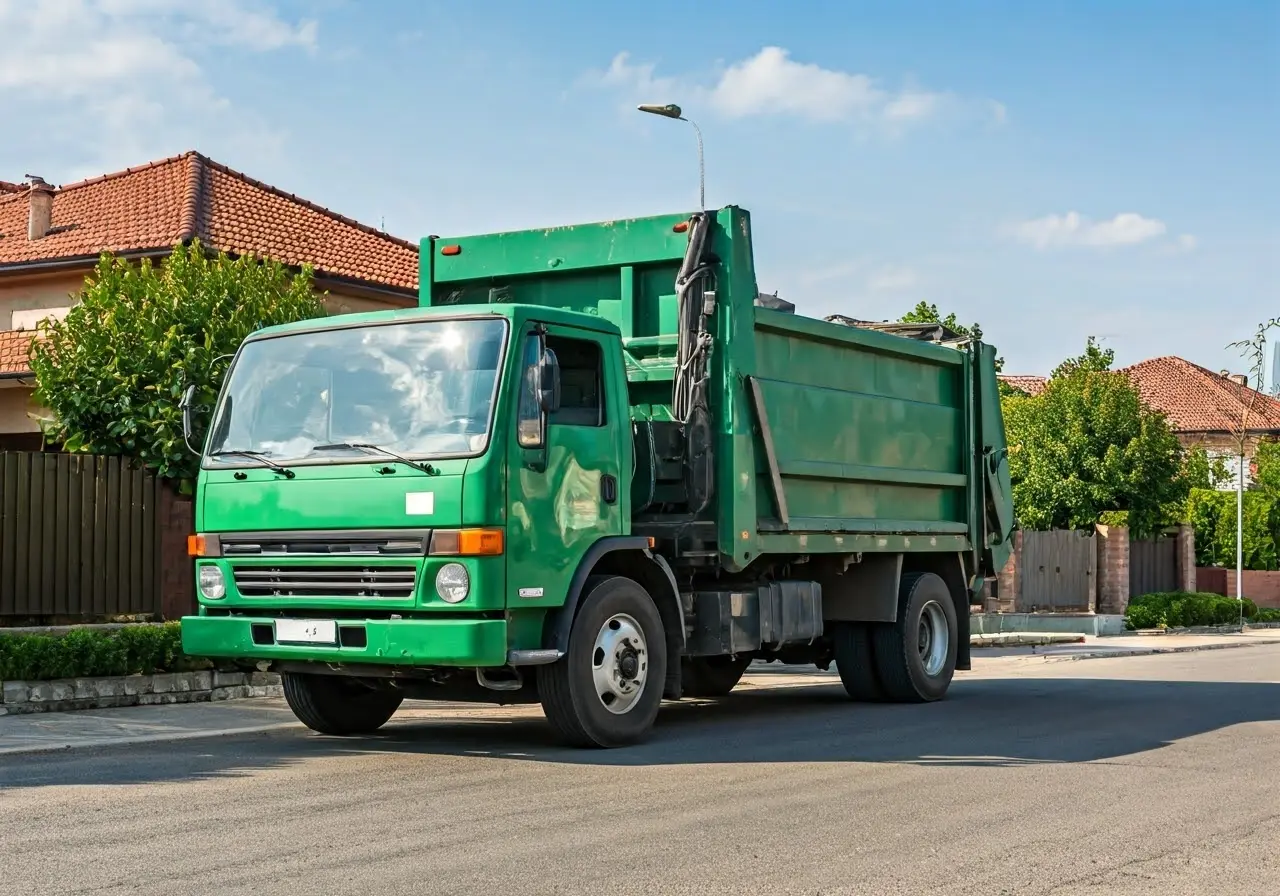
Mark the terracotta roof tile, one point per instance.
(154, 206)
(1032, 385)
(1198, 400)
(15, 346)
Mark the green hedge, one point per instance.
(92, 653)
(1183, 609)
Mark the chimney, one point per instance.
(1239, 379)
(40, 198)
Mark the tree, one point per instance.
(1094, 358)
(926, 313)
(1088, 446)
(112, 372)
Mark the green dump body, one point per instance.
(826, 438)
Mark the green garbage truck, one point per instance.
(597, 468)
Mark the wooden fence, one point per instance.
(1153, 565)
(1059, 571)
(83, 536)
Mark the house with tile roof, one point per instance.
(51, 237)
(1205, 409)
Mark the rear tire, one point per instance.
(856, 662)
(606, 690)
(713, 676)
(915, 657)
(332, 704)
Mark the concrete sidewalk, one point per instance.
(46, 732)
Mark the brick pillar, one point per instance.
(1009, 581)
(1186, 558)
(176, 576)
(1113, 569)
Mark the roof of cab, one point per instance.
(513, 312)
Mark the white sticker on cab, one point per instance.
(419, 503)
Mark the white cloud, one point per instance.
(118, 82)
(912, 106)
(1073, 229)
(772, 83)
(892, 279)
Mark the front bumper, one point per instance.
(407, 642)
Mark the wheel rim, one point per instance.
(619, 663)
(934, 638)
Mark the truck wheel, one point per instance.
(713, 676)
(332, 704)
(605, 691)
(851, 643)
(916, 655)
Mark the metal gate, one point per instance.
(1059, 571)
(1153, 566)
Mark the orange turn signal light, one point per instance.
(468, 542)
(451, 250)
(197, 546)
(681, 227)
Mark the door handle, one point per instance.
(608, 488)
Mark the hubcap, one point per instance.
(934, 638)
(619, 663)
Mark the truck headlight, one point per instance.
(453, 583)
(212, 584)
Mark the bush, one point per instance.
(92, 653)
(1184, 609)
(1266, 614)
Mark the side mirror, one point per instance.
(548, 382)
(187, 404)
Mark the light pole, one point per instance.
(671, 110)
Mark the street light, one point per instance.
(671, 110)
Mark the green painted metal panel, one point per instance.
(873, 433)
(417, 642)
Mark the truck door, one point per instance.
(565, 491)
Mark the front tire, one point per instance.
(606, 690)
(332, 704)
(915, 656)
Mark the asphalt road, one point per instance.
(1118, 776)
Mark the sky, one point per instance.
(1051, 170)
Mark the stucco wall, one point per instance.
(15, 405)
(36, 293)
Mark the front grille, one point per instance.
(246, 544)
(326, 581)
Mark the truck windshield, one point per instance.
(420, 389)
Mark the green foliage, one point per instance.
(1201, 471)
(1267, 475)
(1094, 358)
(1086, 446)
(1184, 609)
(926, 313)
(113, 371)
(87, 653)
(1213, 514)
(1266, 614)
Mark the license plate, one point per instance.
(306, 631)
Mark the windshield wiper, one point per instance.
(378, 449)
(258, 456)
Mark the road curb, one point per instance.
(1143, 651)
(93, 743)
